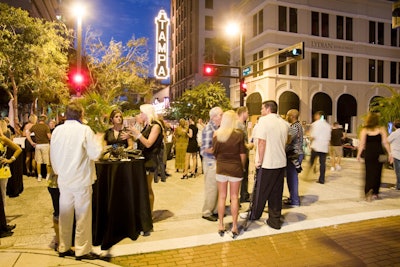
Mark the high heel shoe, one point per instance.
(190, 175)
(184, 176)
(234, 234)
(221, 232)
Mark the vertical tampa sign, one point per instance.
(161, 70)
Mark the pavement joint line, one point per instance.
(260, 230)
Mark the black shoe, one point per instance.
(221, 233)
(10, 227)
(210, 218)
(184, 177)
(68, 253)
(320, 182)
(6, 234)
(167, 174)
(89, 256)
(235, 235)
(289, 203)
(270, 224)
(163, 180)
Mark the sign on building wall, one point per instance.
(161, 70)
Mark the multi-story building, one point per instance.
(350, 51)
(194, 25)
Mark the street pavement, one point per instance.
(333, 226)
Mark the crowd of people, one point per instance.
(223, 144)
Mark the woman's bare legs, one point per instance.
(234, 193)
(222, 188)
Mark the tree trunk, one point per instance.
(14, 95)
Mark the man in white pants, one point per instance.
(73, 149)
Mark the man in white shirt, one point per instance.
(73, 150)
(272, 135)
(320, 134)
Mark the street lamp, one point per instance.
(234, 29)
(78, 11)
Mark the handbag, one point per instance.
(5, 171)
(383, 158)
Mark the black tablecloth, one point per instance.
(121, 206)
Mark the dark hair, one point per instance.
(396, 123)
(113, 113)
(74, 111)
(272, 105)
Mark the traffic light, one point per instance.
(243, 88)
(78, 79)
(296, 52)
(210, 70)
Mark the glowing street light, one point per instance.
(234, 29)
(78, 10)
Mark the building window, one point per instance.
(258, 23)
(349, 29)
(349, 68)
(372, 32)
(393, 37)
(381, 34)
(282, 18)
(371, 72)
(376, 36)
(293, 20)
(209, 4)
(339, 67)
(325, 25)
(380, 71)
(339, 27)
(293, 69)
(315, 23)
(393, 72)
(259, 66)
(282, 58)
(209, 23)
(324, 65)
(314, 64)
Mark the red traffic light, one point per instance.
(243, 88)
(209, 70)
(78, 79)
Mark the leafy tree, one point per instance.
(117, 70)
(33, 57)
(387, 107)
(199, 100)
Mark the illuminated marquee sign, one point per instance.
(161, 71)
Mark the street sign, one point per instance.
(246, 71)
(234, 72)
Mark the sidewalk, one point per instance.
(179, 227)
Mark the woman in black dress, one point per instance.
(373, 138)
(191, 151)
(118, 135)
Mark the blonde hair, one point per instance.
(32, 119)
(3, 126)
(150, 112)
(228, 125)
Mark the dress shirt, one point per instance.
(73, 149)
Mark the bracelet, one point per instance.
(140, 135)
(13, 158)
